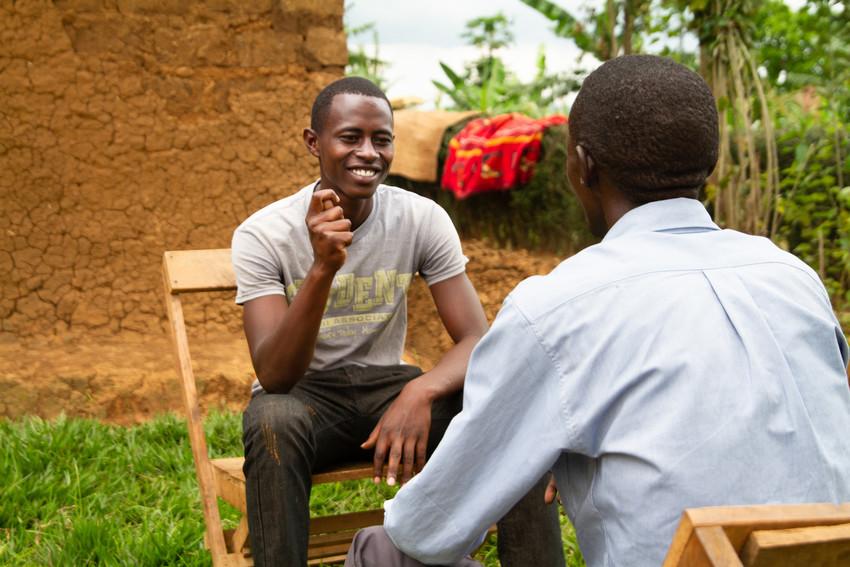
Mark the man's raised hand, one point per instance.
(330, 232)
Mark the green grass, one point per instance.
(78, 492)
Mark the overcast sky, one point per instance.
(415, 36)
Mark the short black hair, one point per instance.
(650, 123)
(346, 85)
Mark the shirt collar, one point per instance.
(670, 215)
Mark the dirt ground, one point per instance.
(128, 378)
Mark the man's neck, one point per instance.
(615, 203)
(356, 210)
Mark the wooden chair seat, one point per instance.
(330, 536)
(783, 535)
(195, 271)
(230, 479)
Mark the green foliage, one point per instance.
(362, 62)
(78, 492)
(618, 29)
(565, 24)
(489, 32)
(806, 47)
(791, 180)
(543, 214)
(488, 86)
(813, 212)
(743, 188)
(709, 19)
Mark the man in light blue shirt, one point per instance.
(672, 365)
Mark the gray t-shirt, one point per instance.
(366, 315)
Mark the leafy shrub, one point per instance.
(813, 210)
(543, 214)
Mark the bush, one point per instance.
(543, 214)
(813, 209)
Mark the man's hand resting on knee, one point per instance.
(401, 436)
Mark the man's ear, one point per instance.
(311, 141)
(587, 167)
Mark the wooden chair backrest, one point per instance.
(192, 271)
(762, 536)
(189, 271)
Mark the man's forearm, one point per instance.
(283, 357)
(508, 434)
(448, 374)
(462, 316)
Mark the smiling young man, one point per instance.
(323, 276)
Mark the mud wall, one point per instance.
(128, 127)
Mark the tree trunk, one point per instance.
(628, 26)
(612, 28)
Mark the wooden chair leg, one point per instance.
(239, 541)
(717, 547)
(238, 548)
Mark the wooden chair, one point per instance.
(194, 271)
(807, 535)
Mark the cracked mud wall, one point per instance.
(130, 127)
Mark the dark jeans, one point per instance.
(321, 422)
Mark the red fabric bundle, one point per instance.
(495, 154)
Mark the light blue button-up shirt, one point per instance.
(672, 365)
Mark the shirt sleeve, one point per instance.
(257, 274)
(510, 432)
(441, 256)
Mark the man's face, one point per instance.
(577, 173)
(355, 145)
